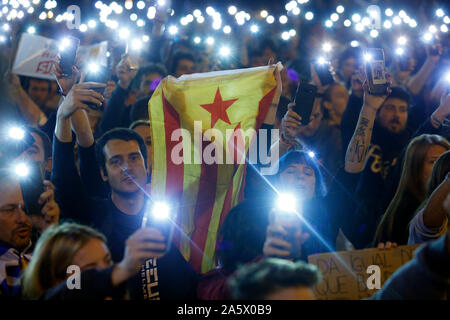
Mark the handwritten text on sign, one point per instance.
(345, 273)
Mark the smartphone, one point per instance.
(290, 222)
(32, 187)
(100, 74)
(68, 55)
(324, 74)
(165, 225)
(304, 101)
(375, 71)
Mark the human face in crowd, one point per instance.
(314, 123)
(338, 101)
(348, 67)
(144, 132)
(393, 115)
(292, 293)
(146, 81)
(36, 151)
(301, 178)
(125, 167)
(15, 225)
(433, 153)
(184, 66)
(38, 91)
(94, 254)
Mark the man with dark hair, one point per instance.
(40, 151)
(183, 62)
(275, 279)
(373, 161)
(148, 78)
(121, 155)
(38, 90)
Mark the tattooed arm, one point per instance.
(355, 157)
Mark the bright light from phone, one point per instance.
(94, 68)
(367, 57)
(16, 133)
(427, 37)
(161, 211)
(31, 30)
(340, 9)
(399, 51)
(136, 44)
(356, 17)
(263, 13)
(210, 41)
(311, 154)
(224, 51)
(124, 33)
(286, 202)
(432, 29)
(21, 170)
(321, 61)
(447, 77)
(326, 47)
(65, 42)
(440, 13)
(197, 40)
(173, 30)
(232, 10)
(354, 44)
(254, 28)
(402, 40)
(309, 15)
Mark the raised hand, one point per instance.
(125, 72)
(79, 96)
(144, 244)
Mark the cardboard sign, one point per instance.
(37, 56)
(345, 273)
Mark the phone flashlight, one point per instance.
(21, 170)
(285, 214)
(161, 216)
(16, 133)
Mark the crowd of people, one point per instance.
(378, 177)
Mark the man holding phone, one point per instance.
(16, 230)
(121, 156)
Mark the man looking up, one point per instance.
(122, 156)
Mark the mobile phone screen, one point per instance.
(32, 187)
(304, 101)
(68, 53)
(323, 73)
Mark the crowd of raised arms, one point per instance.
(372, 171)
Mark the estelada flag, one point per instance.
(182, 110)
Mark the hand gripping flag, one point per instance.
(202, 126)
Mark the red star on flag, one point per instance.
(218, 108)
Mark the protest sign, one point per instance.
(345, 273)
(37, 56)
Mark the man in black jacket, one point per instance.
(121, 155)
(373, 162)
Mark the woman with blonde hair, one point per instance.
(420, 157)
(70, 247)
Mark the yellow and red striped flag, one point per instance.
(182, 113)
